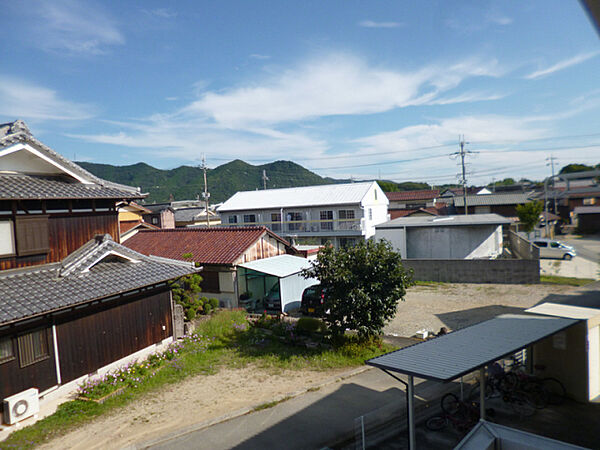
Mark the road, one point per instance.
(588, 247)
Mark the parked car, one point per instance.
(313, 300)
(552, 248)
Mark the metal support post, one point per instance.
(412, 442)
(482, 393)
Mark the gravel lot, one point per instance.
(456, 306)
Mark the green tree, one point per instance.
(529, 215)
(185, 293)
(363, 285)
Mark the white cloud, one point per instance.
(23, 100)
(336, 84)
(578, 59)
(498, 19)
(161, 13)
(259, 56)
(373, 24)
(74, 27)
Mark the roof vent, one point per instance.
(442, 219)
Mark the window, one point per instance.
(33, 347)
(293, 217)
(7, 240)
(210, 282)
(370, 214)
(6, 350)
(233, 219)
(326, 220)
(554, 245)
(32, 235)
(346, 214)
(375, 194)
(541, 244)
(154, 220)
(249, 218)
(276, 221)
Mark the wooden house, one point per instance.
(72, 299)
(219, 250)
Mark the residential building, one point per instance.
(161, 215)
(478, 236)
(502, 204)
(73, 301)
(587, 219)
(195, 216)
(218, 250)
(337, 213)
(131, 219)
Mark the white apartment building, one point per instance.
(336, 213)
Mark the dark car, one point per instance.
(313, 300)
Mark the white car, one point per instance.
(551, 248)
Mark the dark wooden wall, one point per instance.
(88, 343)
(42, 374)
(68, 232)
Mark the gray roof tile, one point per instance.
(32, 291)
(29, 187)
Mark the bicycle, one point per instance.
(461, 415)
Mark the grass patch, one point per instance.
(268, 405)
(567, 281)
(429, 283)
(225, 340)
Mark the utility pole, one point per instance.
(463, 179)
(551, 160)
(205, 194)
(265, 178)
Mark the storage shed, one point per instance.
(445, 237)
(573, 351)
(274, 284)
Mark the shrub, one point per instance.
(310, 325)
(214, 302)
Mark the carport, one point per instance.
(451, 356)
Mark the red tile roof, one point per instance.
(428, 194)
(395, 213)
(214, 245)
(126, 225)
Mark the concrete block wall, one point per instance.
(501, 271)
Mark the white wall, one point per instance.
(376, 201)
(395, 236)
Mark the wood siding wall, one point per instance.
(265, 247)
(87, 343)
(42, 374)
(66, 234)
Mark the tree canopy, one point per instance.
(529, 215)
(362, 284)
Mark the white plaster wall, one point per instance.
(375, 200)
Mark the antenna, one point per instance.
(205, 194)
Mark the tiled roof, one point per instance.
(126, 225)
(214, 245)
(29, 187)
(428, 194)
(329, 194)
(493, 199)
(17, 132)
(395, 213)
(100, 268)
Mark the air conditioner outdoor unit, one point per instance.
(21, 406)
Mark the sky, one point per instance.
(378, 89)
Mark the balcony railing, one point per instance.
(305, 226)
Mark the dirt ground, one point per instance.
(193, 401)
(207, 397)
(456, 306)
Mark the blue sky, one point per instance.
(345, 88)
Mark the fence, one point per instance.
(501, 271)
(521, 247)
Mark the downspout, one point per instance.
(56, 355)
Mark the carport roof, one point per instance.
(453, 355)
(279, 266)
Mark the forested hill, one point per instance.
(186, 182)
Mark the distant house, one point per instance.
(337, 213)
(587, 219)
(502, 204)
(161, 215)
(195, 216)
(412, 199)
(478, 236)
(218, 250)
(128, 229)
(72, 299)
(131, 219)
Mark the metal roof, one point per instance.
(279, 266)
(516, 198)
(443, 221)
(453, 355)
(329, 194)
(568, 311)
